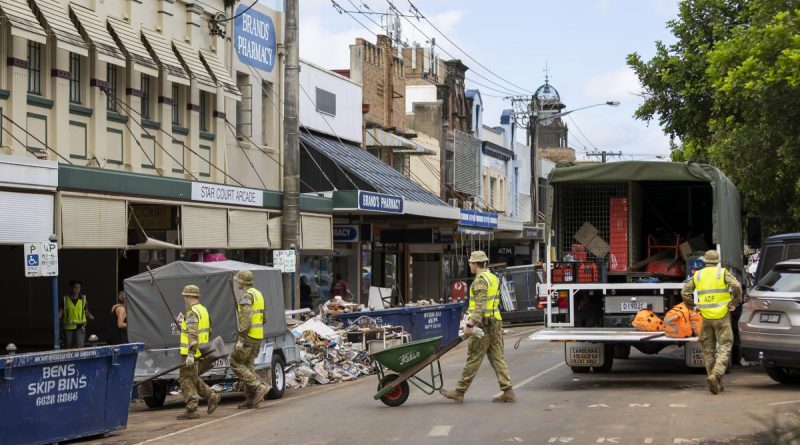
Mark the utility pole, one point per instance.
(291, 143)
(603, 155)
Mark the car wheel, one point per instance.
(278, 373)
(786, 376)
(159, 395)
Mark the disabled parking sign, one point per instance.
(41, 259)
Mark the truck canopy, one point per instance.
(726, 208)
(150, 323)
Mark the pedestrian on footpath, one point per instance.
(195, 331)
(74, 314)
(483, 312)
(718, 293)
(252, 316)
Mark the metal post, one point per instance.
(291, 147)
(56, 337)
(534, 183)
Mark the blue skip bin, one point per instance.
(54, 396)
(421, 322)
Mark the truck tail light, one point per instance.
(563, 299)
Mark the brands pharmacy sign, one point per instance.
(254, 38)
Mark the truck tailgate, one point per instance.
(605, 335)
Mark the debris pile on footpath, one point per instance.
(329, 353)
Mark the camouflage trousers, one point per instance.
(243, 364)
(192, 386)
(492, 345)
(716, 341)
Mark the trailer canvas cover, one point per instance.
(148, 319)
(727, 213)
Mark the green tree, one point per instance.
(728, 92)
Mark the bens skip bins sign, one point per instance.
(254, 38)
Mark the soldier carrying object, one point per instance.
(252, 316)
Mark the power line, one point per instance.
(418, 13)
(237, 15)
(581, 132)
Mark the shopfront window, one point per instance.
(318, 272)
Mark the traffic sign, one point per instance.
(285, 260)
(41, 259)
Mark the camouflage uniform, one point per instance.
(246, 350)
(490, 344)
(192, 386)
(716, 338)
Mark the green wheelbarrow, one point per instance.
(406, 361)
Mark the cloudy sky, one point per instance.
(583, 42)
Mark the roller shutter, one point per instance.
(316, 232)
(247, 229)
(204, 228)
(275, 231)
(93, 223)
(25, 217)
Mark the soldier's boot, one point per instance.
(248, 402)
(213, 402)
(456, 396)
(261, 392)
(721, 384)
(186, 415)
(508, 396)
(713, 383)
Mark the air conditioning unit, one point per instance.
(468, 205)
(453, 202)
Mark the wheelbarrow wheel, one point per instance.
(399, 394)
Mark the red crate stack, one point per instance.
(618, 237)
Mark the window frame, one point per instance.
(145, 96)
(203, 115)
(34, 68)
(176, 96)
(113, 85)
(75, 93)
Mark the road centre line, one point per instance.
(248, 411)
(440, 431)
(533, 377)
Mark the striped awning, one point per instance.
(56, 20)
(161, 51)
(22, 21)
(95, 32)
(190, 58)
(131, 44)
(221, 75)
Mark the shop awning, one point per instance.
(220, 74)
(190, 58)
(95, 32)
(375, 137)
(57, 21)
(23, 22)
(131, 43)
(154, 244)
(360, 163)
(161, 51)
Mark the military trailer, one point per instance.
(151, 323)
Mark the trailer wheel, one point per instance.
(399, 394)
(158, 397)
(278, 374)
(622, 351)
(580, 369)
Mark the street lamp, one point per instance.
(534, 120)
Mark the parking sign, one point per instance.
(41, 259)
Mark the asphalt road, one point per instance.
(645, 400)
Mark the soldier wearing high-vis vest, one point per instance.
(718, 293)
(195, 331)
(252, 316)
(483, 312)
(74, 314)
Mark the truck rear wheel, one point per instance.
(622, 351)
(580, 369)
(609, 351)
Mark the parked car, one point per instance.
(769, 327)
(775, 249)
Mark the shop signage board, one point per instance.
(225, 194)
(346, 233)
(285, 260)
(536, 233)
(41, 259)
(475, 218)
(254, 38)
(379, 202)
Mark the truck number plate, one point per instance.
(584, 354)
(770, 318)
(694, 355)
(633, 306)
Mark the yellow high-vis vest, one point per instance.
(203, 329)
(493, 293)
(259, 315)
(74, 313)
(713, 295)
